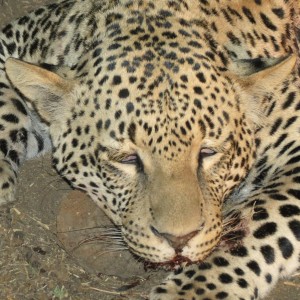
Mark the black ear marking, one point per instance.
(49, 67)
(246, 67)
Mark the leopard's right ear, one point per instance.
(45, 89)
(258, 79)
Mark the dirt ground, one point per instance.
(33, 264)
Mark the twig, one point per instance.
(45, 226)
(144, 296)
(289, 283)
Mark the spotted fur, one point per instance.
(178, 118)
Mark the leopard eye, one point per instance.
(133, 159)
(206, 152)
(130, 159)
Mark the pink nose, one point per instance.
(177, 242)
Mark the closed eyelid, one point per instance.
(117, 155)
(207, 150)
(130, 158)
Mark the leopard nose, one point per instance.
(176, 242)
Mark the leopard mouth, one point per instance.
(173, 264)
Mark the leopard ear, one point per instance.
(260, 78)
(45, 89)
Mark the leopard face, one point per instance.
(164, 200)
(160, 171)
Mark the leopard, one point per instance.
(180, 120)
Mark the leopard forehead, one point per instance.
(160, 88)
(156, 65)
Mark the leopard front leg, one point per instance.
(250, 269)
(22, 136)
(13, 139)
(206, 282)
